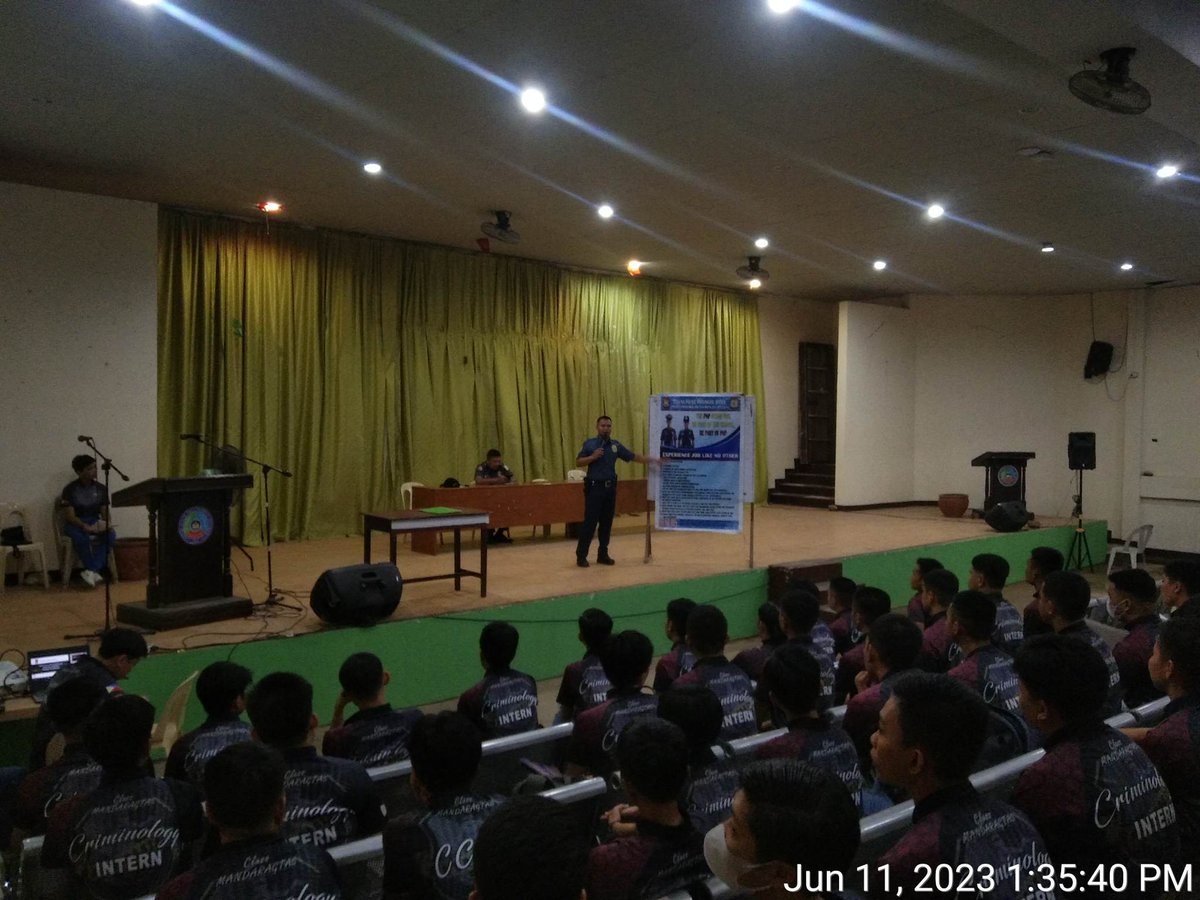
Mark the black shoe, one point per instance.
(582, 562)
(606, 560)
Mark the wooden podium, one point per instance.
(1005, 479)
(190, 579)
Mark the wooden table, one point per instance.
(522, 504)
(416, 522)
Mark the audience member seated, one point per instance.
(1095, 796)
(770, 637)
(505, 701)
(697, 711)
(626, 660)
(930, 733)
(428, 854)
(1042, 561)
(584, 683)
(531, 848)
(1133, 601)
(73, 773)
(799, 617)
(707, 632)
(893, 645)
(869, 604)
(329, 801)
(940, 587)
(663, 852)
(787, 817)
(1180, 585)
(988, 574)
(793, 680)
(133, 832)
(221, 690)
(1174, 744)
(985, 668)
(679, 660)
(916, 604)
(245, 802)
(841, 600)
(120, 650)
(1064, 605)
(376, 735)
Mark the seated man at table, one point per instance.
(493, 471)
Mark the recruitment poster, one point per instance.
(699, 486)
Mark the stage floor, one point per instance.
(531, 568)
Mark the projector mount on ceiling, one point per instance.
(751, 269)
(500, 229)
(1111, 88)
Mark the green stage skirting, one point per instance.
(434, 659)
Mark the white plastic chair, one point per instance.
(67, 558)
(576, 474)
(406, 491)
(1134, 547)
(14, 514)
(169, 726)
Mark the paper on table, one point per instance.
(439, 510)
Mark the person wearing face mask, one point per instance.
(1133, 601)
(792, 830)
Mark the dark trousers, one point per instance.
(599, 505)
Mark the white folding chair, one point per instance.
(576, 474)
(14, 514)
(1134, 547)
(67, 557)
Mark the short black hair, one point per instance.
(122, 642)
(117, 733)
(626, 657)
(1137, 583)
(1186, 572)
(531, 848)
(800, 815)
(843, 588)
(81, 462)
(695, 709)
(498, 643)
(595, 626)
(926, 564)
(1069, 674)
(678, 611)
(652, 755)
(361, 675)
(1179, 642)
(993, 568)
(768, 614)
(493, 453)
(220, 684)
(600, 419)
(242, 784)
(707, 630)
(802, 608)
(976, 613)
(1069, 593)
(1046, 560)
(280, 707)
(943, 583)
(872, 602)
(71, 702)
(943, 717)
(445, 749)
(897, 641)
(793, 676)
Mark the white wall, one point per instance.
(875, 404)
(783, 325)
(77, 343)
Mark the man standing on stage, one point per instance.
(600, 455)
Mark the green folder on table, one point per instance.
(439, 510)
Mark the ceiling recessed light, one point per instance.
(533, 100)
(1047, 247)
(634, 267)
(372, 168)
(879, 265)
(270, 206)
(781, 7)
(935, 211)
(754, 284)
(1169, 170)
(762, 243)
(604, 211)
(1126, 266)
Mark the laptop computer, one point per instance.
(44, 663)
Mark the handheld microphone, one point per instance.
(189, 437)
(83, 438)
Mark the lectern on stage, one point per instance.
(190, 579)
(1005, 476)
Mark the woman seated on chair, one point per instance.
(85, 501)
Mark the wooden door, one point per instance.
(818, 402)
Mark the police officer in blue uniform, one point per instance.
(599, 455)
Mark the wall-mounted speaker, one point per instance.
(357, 595)
(1081, 450)
(1099, 359)
(1010, 515)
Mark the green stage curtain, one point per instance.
(361, 363)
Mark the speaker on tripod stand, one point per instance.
(1081, 455)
